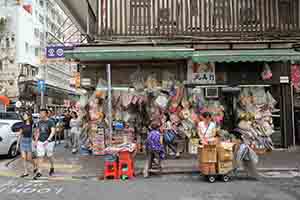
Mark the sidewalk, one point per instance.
(77, 166)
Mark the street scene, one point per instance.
(150, 99)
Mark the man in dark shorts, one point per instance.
(44, 142)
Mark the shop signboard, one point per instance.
(202, 73)
(55, 51)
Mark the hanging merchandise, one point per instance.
(168, 80)
(270, 100)
(151, 82)
(295, 74)
(137, 80)
(259, 95)
(266, 73)
(256, 124)
(162, 101)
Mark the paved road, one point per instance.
(175, 187)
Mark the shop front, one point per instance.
(253, 81)
(246, 93)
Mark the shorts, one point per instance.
(26, 145)
(43, 150)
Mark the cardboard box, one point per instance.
(225, 167)
(207, 168)
(207, 154)
(224, 154)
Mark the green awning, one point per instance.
(264, 55)
(127, 53)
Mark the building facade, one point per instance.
(240, 38)
(24, 37)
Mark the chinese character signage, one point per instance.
(202, 73)
(55, 52)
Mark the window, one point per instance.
(26, 47)
(42, 3)
(41, 19)
(36, 51)
(36, 33)
(7, 43)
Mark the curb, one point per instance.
(139, 172)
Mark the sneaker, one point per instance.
(35, 171)
(38, 175)
(51, 172)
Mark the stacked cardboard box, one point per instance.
(207, 159)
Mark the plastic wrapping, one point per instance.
(169, 80)
(151, 82)
(260, 96)
(270, 100)
(137, 80)
(162, 101)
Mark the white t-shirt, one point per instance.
(207, 132)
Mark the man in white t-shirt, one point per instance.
(207, 127)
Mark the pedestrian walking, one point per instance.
(44, 142)
(154, 148)
(75, 131)
(25, 143)
(67, 129)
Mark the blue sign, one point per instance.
(41, 85)
(55, 52)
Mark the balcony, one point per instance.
(200, 19)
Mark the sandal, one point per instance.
(24, 175)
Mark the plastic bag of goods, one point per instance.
(137, 80)
(151, 82)
(259, 95)
(162, 101)
(270, 100)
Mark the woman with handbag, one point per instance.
(154, 148)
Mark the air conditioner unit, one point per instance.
(211, 92)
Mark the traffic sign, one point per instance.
(55, 52)
(41, 85)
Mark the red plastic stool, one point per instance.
(111, 170)
(126, 168)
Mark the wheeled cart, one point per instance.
(215, 163)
